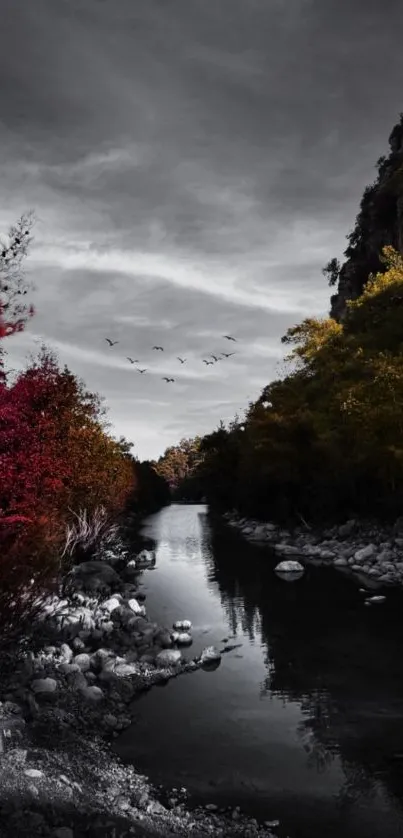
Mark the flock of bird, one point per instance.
(215, 358)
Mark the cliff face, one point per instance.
(378, 223)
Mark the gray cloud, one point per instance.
(192, 167)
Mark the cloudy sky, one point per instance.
(192, 165)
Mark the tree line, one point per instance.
(326, 441)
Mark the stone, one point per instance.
(289, 567)
(182, 625)
(82, 661)
(375, 599)
(33, 773)
(78, 680)
(341, 562)
(168, 657)
(94, 576)
(63, 832)
(110, 604)
(110, 720)
(92, 693)
(365, 553)
(124, 670)
(209, 655)
(66, 653)
(287, 549)
(183, 638)
(44, 685)
(164, 639)
(136, 607)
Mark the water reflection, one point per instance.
(326, 674)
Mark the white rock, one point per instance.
(33, 773)
(83, 661)
(209, 655)
(365, 553)
(44, 685)
(378, 598)
(183, 638)
(289, 567)
(182, 625)
(341, 562)
(66, 652)
(135, 606)
(111, 603)
(168, 657)
(124, 670)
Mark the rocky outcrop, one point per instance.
(379, 223)
(371, 551)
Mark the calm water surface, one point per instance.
(304, 720)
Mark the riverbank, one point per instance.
(369, 550)
(68, 690)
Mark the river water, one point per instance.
(303, 720)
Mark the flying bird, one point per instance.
(168, 379)
(182, 360)
(215, 357)
(142, 370)
(229, 337)
(207, 362)
(111, 342)
(228, 354)
(131, 360)
(159, 347)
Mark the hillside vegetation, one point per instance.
(326, 441)
(58, 462)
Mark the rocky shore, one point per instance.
(69, 688)
(371, 551)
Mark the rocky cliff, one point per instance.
(378, 223)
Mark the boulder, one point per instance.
(182, 625)
(43, 685)
(92, 693)
(287, 549)
(66, 653)
(289, 567)
(183, 638)
(365, 553)
(110, 604)
(136, 607)
(82, 661)
(93, 576)
(210, 656)
(168, 657)
(164, 639)
(341, 562)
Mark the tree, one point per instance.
(14, 313)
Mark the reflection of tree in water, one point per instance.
(340, 661)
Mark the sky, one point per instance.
(192, 166)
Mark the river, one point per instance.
(303, 720)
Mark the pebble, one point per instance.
(33, 773)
